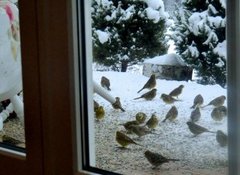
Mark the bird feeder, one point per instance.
(10, 60)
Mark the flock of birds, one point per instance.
(140, 128)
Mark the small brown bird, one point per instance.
(100, 113)
(195, 115)
(172, 114)
(157, 159)
(221, 138)
(197, 129)
(105, 83)
(140, 117)
(10, 140)
(129, 123)
(218, 101)
(198, 101)
(168, 99)
(218, 113)
(148, 95)
(139, 130)
(124, 140)
(176, 92)
(151, 83)
(117, 104)
(152, 122)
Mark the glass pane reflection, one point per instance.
(11, 91)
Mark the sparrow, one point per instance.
(140, 117)
(148, 95)
(124, 140)
(172, 114)
(195, 115)
(197, 129)
(105, 83)
(221, 138)
(198, 101)
(157, 159)
(117, 104)
(129, 123)
(152, 122)
(99, 113)
(177, 91)
(218, 113)
(139, 130)
(168, 99)
(10, 140)
(218, 101)
(151, 83)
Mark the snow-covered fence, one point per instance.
(169, 67)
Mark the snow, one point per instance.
(168, 59)
(155, 10)
(221, 49)
(173, 139)
(102, 36)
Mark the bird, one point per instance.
(99, 113)
(140, 117)
(157, 159)
(127, 124)
(168, 99)
(218, 101)
(197, 129)
(172, 114)
(10, 140)
(124, 140)
(139, 130)
(221, 138)
(177, 91)
(117, 104)
(198, 101)
(218, 113)
(105, 83)
(150, 84)
(148, 95)
(152, 122)
(195, 114)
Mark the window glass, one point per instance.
(159, 82)
(11, 91)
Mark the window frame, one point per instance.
(48, 41)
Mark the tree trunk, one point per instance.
(124, 66)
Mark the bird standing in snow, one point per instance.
(139, 130)
(117, 104)
(172, 114)
(221, 138)
(140, 117)
(152, 122)
(157, 159)
(195, 115)
(198, 101)
(151, 83)
(148, 95)
(168, 99)
(99, 113)
(176, 92)
(197, 129)
(218, 113)
(105, 83)
(218, 101)
(124, 140)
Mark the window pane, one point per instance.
(160, 93)
(11, 91)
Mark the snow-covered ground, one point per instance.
(199, 155)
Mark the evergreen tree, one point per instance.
(125, 32)
(199, 35)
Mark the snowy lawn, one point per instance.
(173, 139)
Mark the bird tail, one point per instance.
(211, 131)
(173, 160)
(122, 109)
(140, 90)
(205, 106)
(136, 98)
(108, 88)
(193, 106)
(164, 120)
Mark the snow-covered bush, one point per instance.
(127, 31)
(199, 35)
